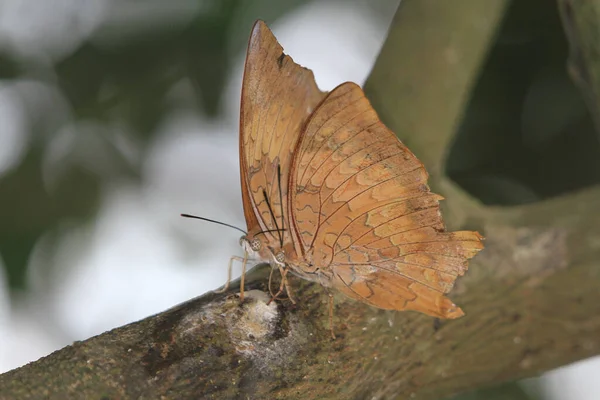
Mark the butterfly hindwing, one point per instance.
(389, 289)
(363, 211)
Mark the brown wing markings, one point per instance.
(296, 109)
(355, 196)
(365, 129)
(267, 183)
(448, 248)
(249, 68)
(406, 252)
(402, 291)
(321, 201)
(427, 217)
(286, 131)
(336, 149)
(255, 139)
(449, 258)
(265, 112)
(342, 161)
(274, 172)
(282, 141)
(358, 198)
(360, 218)
(306, 163)
(439, 282)
(426, 201)
(273, 133)
(353, 282)
(445, 237)
(310, 134)
(451, 265)
(332, 96)
(278, 96)
(330, 107)
(357, 115)
(381, 163)
(353, 243)
(332, 230)
(343, 190)
(374, 149)
(399, 260)
(396, 292)
(374, 164)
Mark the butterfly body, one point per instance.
(331, 195)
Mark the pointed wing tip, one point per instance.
(453, 313)
(259, 24)
(260, 28)
(261, 37)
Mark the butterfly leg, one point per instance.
(288, 290)
(270, 281)
(228, 274)
(244, 260)
(243, 277)
(282, 286)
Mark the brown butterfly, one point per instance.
(333, 196)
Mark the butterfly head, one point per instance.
(256, 249)
(252, 246)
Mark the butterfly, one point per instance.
(331, 195)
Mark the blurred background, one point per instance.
(117, 116)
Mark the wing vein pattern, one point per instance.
(364, 214)
(278, 96)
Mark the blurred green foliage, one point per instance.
(526, 134)
(123, 82)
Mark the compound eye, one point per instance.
(255, 245)
(280, 257)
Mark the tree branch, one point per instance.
(531, 297)
(580, 22)
(426, 69)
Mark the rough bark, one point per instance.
(531, 297)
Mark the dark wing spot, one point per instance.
(280, 60)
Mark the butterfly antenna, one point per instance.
(270, 230)
(281, 204)
(273, 216)
(215, 222)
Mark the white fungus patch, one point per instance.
(256, 330)
(255, 323)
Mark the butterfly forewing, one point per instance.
(278, 96)
(362, 211)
